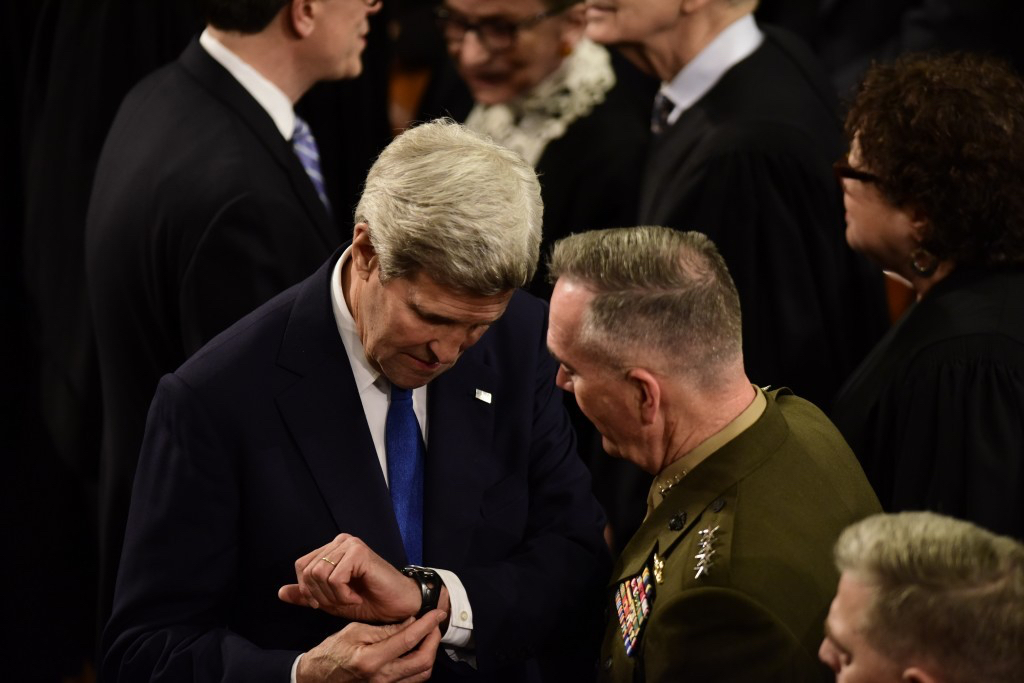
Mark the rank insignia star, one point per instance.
(706, 553)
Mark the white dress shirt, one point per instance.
(374, 393)
(269, 96)
(737, 42)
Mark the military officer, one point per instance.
(730, 576)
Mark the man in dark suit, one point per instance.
(281, 436)
(745, 136)
(201, 209)
(730, 575)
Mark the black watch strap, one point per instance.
(430, 586)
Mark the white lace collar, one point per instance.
(528, 123)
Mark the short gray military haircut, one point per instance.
(449, 202)
(946, 592)
(656, 289)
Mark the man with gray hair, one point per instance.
(745, 132)
(383, 443)
(925, 598)
(729, 577)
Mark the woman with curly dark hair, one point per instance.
(934, 193)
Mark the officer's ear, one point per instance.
(916, 674)
(647, 392)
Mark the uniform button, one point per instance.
(464, 615)
(607, 664)
(718, 504)
(677, 522)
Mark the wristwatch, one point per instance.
(430, 586)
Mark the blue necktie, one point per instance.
(405, 471)
(305, 148)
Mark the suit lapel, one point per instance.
(223, 86)
(325, 416)
(461, 430)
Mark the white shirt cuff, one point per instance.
(460, 616)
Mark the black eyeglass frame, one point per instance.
(507, 31)
(842, 169)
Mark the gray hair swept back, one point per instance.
(946, 592)
(449, 202)
(656, 289)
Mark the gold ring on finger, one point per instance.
(329, 560)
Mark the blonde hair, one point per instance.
(945, 591)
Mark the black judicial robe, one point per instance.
(590, 177)
(935, 412)
(749, 164)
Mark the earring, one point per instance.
(923, 262)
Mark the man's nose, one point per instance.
(448, 347)
(828, 656)
(471, 51)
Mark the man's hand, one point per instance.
(347, 579)
(359, 652)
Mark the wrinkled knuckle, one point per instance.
(365, 667)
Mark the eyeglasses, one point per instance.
(494, 34)
(843, 170)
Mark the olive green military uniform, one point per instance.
(731, 575)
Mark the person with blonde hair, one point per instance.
(925, 598)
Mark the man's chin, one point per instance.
(409, 378)
(610, 448)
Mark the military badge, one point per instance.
(659, 569)
(706, 554)
(634, 599)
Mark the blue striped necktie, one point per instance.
(305, 148)
(405, 454)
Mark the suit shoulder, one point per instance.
(251, 341)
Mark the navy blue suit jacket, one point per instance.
(257, 451)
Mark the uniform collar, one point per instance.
(671, 475)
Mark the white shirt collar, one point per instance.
(373, 387)
(737, 42)
(364, 373)
(269, 96)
